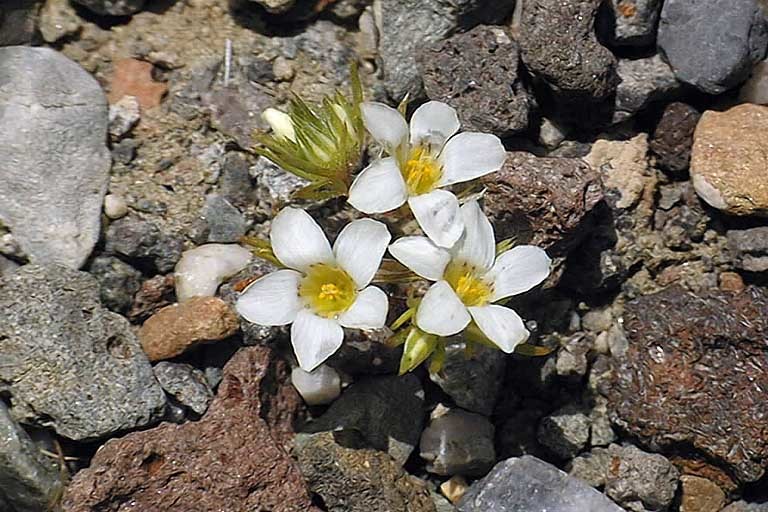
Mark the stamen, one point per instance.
(421, 170)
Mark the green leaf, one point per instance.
(418, 347)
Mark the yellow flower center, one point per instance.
(328, 290)
(467, 284)
(421, 171)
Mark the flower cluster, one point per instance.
(321, 289)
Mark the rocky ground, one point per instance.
(637, 138)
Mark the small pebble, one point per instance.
(124, 114)
(283, 69)
(319, 387)
(115, 206)
(458, 443)
(201, 270)
(454, 488)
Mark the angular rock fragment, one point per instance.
(458, 443)
(186, 384)
(639, 480)
(750, 248)
(673, 137)
(630, 22)
(643, 81)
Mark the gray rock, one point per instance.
(474, 382)
(123, 116)
(565, 432)
(458, 443)
(407, 26)
(112, 7)
(18, 20)
(749, 248)
(572, 356)
(630, 22)
(384, 413)
(68, 363)
(642, 81)
(531, 485)
(755, 89)
(118, 282)
(28, 482)
(124, 152)
(477, 74)
(55, 164)
(234, 182)
(143, 243)
(186, 384)
(710, 44)
(559, 46)
(224, 222)
(7, 266)
(640, 477)
(592, 466)
(743, 506)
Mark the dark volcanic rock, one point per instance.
(118, 282)
(750, 248)
(542, 201)
(559, 46)
(673, 137)
(477, 73)
(112, 7)
(643, 81)
(458, 443)
(142, 242)
(703, 356)
(232, 459)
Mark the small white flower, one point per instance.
(421, 163)
(323, 289)
(280, 122)
(470, 278)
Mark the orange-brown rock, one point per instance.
(177, 327)
(133, 77)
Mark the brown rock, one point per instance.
(701, 495)
(731, 282)
(542, 201)
(673, 137)
(729, 160)
(229, 460)
(155, 293)
(133, 77)
(694, 374)
(176, 328)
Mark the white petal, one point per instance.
(272, 299)
(369, 311)
(477, 246)
(359, 249)
(518, 270)
(441, 311)
(438, 216)
(378, 188)
(298, 241)
(434, 122)
(421, 255)
(314, 339)
(280, 122)
(385, 124)
(470, 155)
(503, 326)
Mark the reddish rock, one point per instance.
(544, 201)
(133, 77)
(231, 460)
(154, 294)
(176, 328)
(695, 374)
(673, 137)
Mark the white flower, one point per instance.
(323, 289)
(470, 278)
(433, 156)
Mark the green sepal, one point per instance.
(418, 347)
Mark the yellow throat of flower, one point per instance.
(421, 170)
(328, 290)
(467, 284)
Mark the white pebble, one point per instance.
(320, 386)
(115, 206)
(201, 270)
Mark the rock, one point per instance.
(542, 201)
(643, 81)
(154, 294)
(235, 111)
(454, 488)
(572, 357)
(630, 22)
(124, 152)
(58, 19)
(750, 248)
(527, 483)
(755, 89)
(143, 243)
(700, 495)
(517, 434)
(7, 266)
(684, 224)
(565, 432)
(179, 327)
(186, 384)
(703, 356)
(384, 413)
(365, 352)
(357, 479)
(29, 482)
(559, 46)
(458, 443)
(232, 459)
(112, 7)
(18, 21)
(69, 363)
(695, 47)
(673, 137)
(224, 222)
(118, 282)
(124, 114)
(728, 163)
(57, 166)
(477, 74)
(406, 26)
(743, 506)
(635, 476)
(473, 383)
(275, 6)
(592, 467)
(202, 269)
(133, 77)
(551, 134)
(600, 431)
(115, 206)
(235, 182)
(318, 387)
